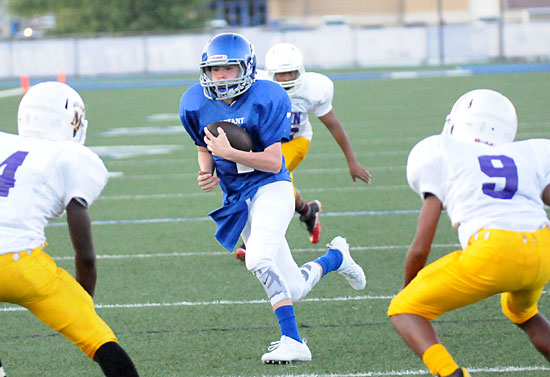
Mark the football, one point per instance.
(238, 137)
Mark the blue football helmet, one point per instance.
(227, 49)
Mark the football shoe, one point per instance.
(240, 253)
(286, 350)
(312, 221)
(353, 273)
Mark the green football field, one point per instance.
(183, 306)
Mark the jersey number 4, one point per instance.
(10, 166)
(499, 167)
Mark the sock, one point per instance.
(287, 322)
(303, 210)
(114, 361)
(2, 373)
(331, 261)
(438, 360)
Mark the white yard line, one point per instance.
(397, 373)
(206, 218)
(11, 92)
(226, 253)
(209, 303)
(182, 195)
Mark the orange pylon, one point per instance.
(25, 83)
(61, 77)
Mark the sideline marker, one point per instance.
(61, 77)
(25, 83)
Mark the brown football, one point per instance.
(238, 137)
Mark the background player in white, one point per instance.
(258, 200)
(494, 191)
(40, 179)
(309, 92)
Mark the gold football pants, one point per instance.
(33, 280)
(294, 151)
(516, 264)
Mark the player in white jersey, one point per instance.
(310, 93)
(494, 191)
(40, 180)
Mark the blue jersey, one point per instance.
(264, 111)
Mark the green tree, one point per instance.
(85, 16)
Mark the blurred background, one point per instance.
(95, 37)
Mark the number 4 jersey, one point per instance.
(38, 179)
(482, 186)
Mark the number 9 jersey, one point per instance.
(38, 179)
(483, 186)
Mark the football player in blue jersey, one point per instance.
(258, 199)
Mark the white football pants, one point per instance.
(269, 214)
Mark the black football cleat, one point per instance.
(312, 221)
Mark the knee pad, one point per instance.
(273, 283)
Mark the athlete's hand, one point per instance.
(207, 181)
(357, 170)
(219, 146)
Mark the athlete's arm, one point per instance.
(80, 229)
(425, 231)
(269, 160)
(356, 170)
(206, 178)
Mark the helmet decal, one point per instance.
(217, 58)
(77, 122)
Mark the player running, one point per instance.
(258, 199)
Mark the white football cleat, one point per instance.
(286, 350)
(353, 273)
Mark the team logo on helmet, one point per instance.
(77, 121)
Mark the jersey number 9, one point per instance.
(505, 168)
